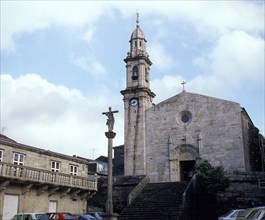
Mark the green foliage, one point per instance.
(210, 179)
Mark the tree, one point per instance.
(210, 179)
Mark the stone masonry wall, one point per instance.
(213, 129)
(245, 188)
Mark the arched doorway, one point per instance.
(183, 161)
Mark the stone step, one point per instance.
(157, 201)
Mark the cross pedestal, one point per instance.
(109, 204)
(111, 216)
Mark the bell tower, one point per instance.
(137, 98)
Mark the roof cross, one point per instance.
(183, 84)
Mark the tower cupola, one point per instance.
(138, 42)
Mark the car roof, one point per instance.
(31, 213)
(247, 211)
(68, 213)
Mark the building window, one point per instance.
(146, 75)
(55, 166)
(1, 155)
(18, 158)
(73, 170)
(135, 73)
(184, 117)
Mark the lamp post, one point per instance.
(110, 135)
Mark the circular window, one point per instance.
(184, 117)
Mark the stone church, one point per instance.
(165, 141)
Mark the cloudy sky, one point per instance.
(62, 63)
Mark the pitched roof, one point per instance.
(5, 138)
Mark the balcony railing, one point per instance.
(24, 173)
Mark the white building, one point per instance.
(38, 180)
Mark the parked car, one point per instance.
(97, 215)
(84, 217)
(31, 216)
(231, 215)
(61, 216)
(248, 212)
(258, 214)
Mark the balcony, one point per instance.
(13, 172)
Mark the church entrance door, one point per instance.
(187, 168)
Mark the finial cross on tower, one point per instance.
(110, 120)
(137, 19)
(183, 84)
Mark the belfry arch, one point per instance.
(182, 162)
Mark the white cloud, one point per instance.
(89, 33)
(216, 16)
(27, 16)
(236, 60)
(160, 58)
(90, 64)
(209, 18)
(239, 57)
(166, 87)
(41, 114)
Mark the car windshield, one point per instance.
(17, 217)
(86, 216)
(42, 217)
(257, 214)
(227, 214)
(245, 213)
(68, 216)
(237, 213)
(253, 214)
(98, 215)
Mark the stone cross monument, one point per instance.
(110, 135)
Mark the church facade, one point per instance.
(165, 141)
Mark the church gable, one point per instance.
(211, 126)
(191, 97)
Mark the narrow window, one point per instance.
(55, 166)
(73, 170)
(135, 43)
(140, 43)
(135, 73)
(1, 155)
(18, 158)
(146, 75)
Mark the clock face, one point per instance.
(134, 102)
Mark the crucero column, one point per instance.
(110, 135)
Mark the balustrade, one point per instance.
(45, 176)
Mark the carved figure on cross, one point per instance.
(110, 120)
